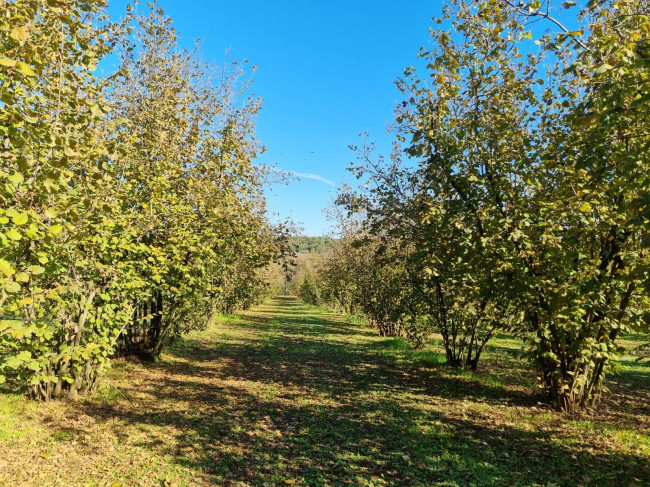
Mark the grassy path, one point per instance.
(289, 394)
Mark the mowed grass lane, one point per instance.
(290, 394)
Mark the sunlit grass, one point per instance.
(289, 394)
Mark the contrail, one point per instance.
(305, 175)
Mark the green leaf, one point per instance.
(12, 287)
(20, 219)
(603, 68)
(585, 207)
(14, 234)
(55, 229)
(16, 178)
(36, 269)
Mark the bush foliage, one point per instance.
(517, 194)
(131, 210)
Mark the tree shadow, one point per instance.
(298, 400)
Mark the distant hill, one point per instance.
(310, 245)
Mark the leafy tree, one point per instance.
(308, 290)
(536, 182)
(338, 275)
(131, 210)
(192, 193)
(444, 283)
(58, 322)
(308, 245)
(599, 204)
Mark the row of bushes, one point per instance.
(517, 194)
(130, 209)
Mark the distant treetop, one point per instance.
(310, 245)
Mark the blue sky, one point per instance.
(325, 73)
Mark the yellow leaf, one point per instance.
(16, 178)
(25, 69)
(585, 208)
(22, 277)
(6, 269)
(5, 61)
(21, 34)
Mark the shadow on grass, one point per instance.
(13, 390)
(290, 402)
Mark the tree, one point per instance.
(545, 176)
(445, 283)
(55, 187)
(131, 209)
(191, 191)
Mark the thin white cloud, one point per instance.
(316, 177)
(305, 175)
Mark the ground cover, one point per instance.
(290, 394)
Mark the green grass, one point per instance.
(289, 394)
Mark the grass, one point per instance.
(289, 394)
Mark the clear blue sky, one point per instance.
(325, 72)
